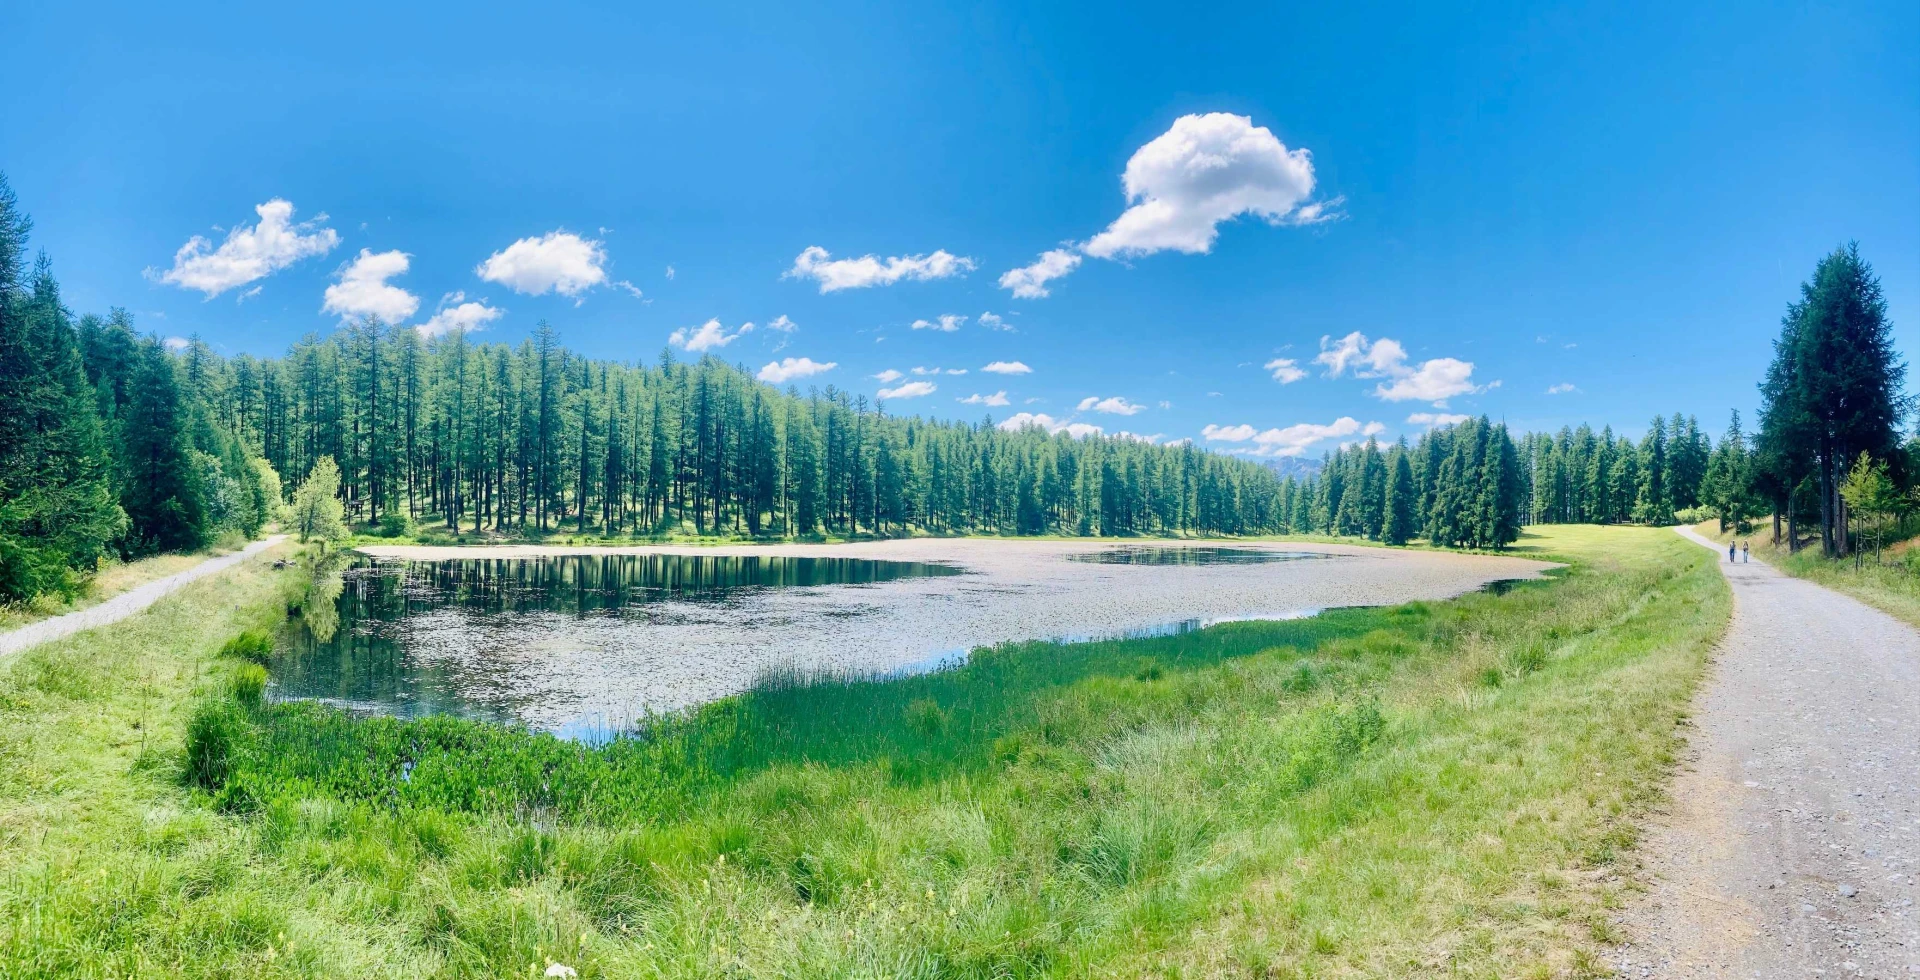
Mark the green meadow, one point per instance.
(1434, 788)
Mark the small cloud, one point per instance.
(1563, 389)
(1153, 439)
(669, 272)
(1007, 367)
(1290, 441)
(558, 261)
(1110, 406)
(456, 312)
(836, 274)
(245, 294)
(1166, 404)
(629, 287)
(996, 399)
(707, 336)
(1434, 380)
(363, 290)
(1039, 420)
(1433, 419)
(782, 324)
(249, 252)
(1030, 281)
(1285, 370)
(888, 376)
(177, 343)
(993, 321)
(912, 389)
(946, 323)
(788, 368)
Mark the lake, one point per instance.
(583, 643)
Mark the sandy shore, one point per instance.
(557, 672)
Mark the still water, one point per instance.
(374, 634)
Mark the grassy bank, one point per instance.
(1429, 788)
(111, 580)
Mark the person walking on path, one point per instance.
(1730, 547)
(1746, 552)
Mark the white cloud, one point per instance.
(888, 376)
(1024, 420)
(1030, 281)
(1110, 406)
(669, 272)
(632, 289)
(1434, 380)
(1202, 171)
(1285, 370)
(1228, 433)
(788, 368)
(1153, 439)
(923, 371)
(247, 294)
(782, 324)
(363, 289)
(947, 323)
(456, 312)
(177, 343)
(868, 270)
(249, 253)
(1292, 440)
(996, 399)
(1564, 388)
(994, 321)
(1436, 418)
(1007, 367)
(912, 389)
(558, 261)
(706, 336)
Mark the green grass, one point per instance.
(1433, 788)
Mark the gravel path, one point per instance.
(1793, 840)
(125, 604)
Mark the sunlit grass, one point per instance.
(1429, 788)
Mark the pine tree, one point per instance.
(1398, 525)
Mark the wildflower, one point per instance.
(561, 970)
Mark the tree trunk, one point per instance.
(1776, 527)
(1826, 507)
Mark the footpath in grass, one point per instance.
(1889, 581)
(1430, 788)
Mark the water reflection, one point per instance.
(1182, 555)
(454, 637)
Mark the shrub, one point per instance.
(253, 645)
(249, 684)
(212, 735)
(395, 526)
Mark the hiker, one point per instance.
(1730, 551)
(1746, 552)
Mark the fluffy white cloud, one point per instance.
(947, 323)
(1024, 420)
(788, 368)
(888, 376)
(1435, 418)
(1030, 281)
(1202, 171)
(996, 399)
(363, 290)
(1151, 440)
(1285, 370)
(994, 321)
(456, 312)
(250, 252)
(1292, 440)
(912, 389)
(1110, 406)
(1433, 380)
(706, 336)
(834, 274)
(782, 324)
(923, 371)
(1007, 367)
(1563, 388)
(177, 343)
(558, 261)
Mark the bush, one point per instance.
(395, 526)
(249, 684)
(212, 734)
(1694, 515)
(253, 645)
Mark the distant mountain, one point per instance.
(1295, 466)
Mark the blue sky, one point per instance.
(1608, 203)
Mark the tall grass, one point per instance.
(1434, 788)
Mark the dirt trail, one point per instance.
(1793, 839)
(126, 603)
